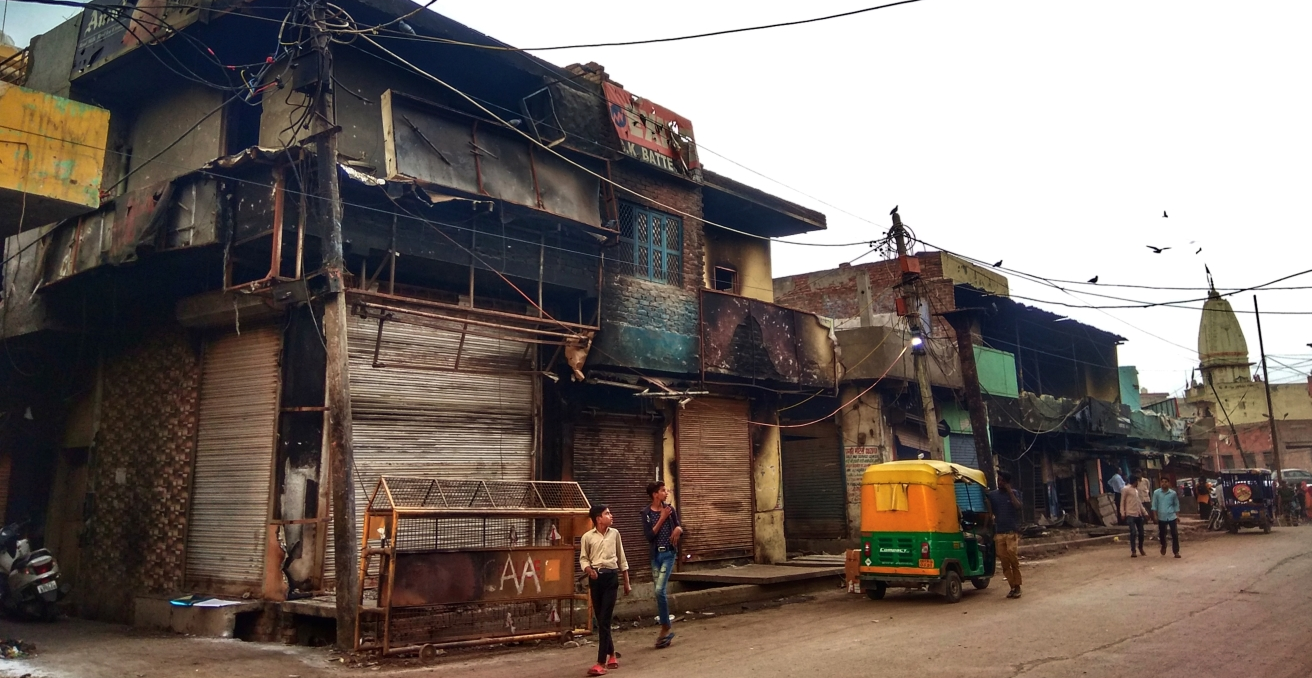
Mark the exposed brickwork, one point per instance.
(833, 293)
(684, 197)
(141, 475)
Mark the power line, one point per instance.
(650, 41)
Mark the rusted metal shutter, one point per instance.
(815, 491)
(231, 480)
(715, 479)
(437, 402)
(614, 459)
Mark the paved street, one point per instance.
(1234, 605)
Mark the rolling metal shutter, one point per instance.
(815, 490)
(614, 459)
(962, 449)
(715, 479)
(443, 403)
(231, 480)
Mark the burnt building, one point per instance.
(542, 280)
(1047, 388)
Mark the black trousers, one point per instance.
(1136, 533)
(1162, 525)
(605, 589)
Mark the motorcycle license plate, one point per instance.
(47, 587)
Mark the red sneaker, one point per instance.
(596, 670)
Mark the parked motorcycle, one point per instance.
(32, 586)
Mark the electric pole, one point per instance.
(328, 217)
(1266, 382)
(911, 311)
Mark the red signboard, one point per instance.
(651, 133)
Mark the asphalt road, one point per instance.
(1234, 605)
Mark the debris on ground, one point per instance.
(16, 649)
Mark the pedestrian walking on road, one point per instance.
(1166, 510)
(1204, 492)
(1135, 515)
(1145, 487)
(1005, 505)
(601, 555)
(660, 524)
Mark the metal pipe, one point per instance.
(463, 321)
(465, 309)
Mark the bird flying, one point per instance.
(1157, 250)
(1164, 215)
(1199, 250)
(1094, 280)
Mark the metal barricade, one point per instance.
(446, 562)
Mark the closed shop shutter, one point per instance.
(910, 443)
(443, 404)
(614, 459)
(815, 492)
(962, 446)
(715, 479)
(231, 480)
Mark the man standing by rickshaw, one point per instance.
(1005, 504)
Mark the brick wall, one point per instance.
(141, 474)
(647, 324)
(833, 293)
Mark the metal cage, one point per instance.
(450, 562)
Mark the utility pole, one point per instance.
(328, 216)
(1266, 382)
(965, 325)
(911, 311)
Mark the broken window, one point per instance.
(651, 245)
(725, 280)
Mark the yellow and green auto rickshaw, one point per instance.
(924, 524)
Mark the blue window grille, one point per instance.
(651, 245)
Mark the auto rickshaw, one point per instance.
(924, 524)
(1249, 497)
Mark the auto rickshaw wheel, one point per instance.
(875, 590)
(952, 587)
(980, 583)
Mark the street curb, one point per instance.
(719, 596)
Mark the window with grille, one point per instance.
(651, 245)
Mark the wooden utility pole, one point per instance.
(328, 215)
(910, 267)
(1266, 382)
(964, 326)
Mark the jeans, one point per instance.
(1136, 533)
(1008, 545)
(605, 589)
(1162, 525)
(662, 565)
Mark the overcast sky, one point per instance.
(1051, 135)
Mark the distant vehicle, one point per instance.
(1249, 496)
(1296, 476)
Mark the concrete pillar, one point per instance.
(768, 484)
(867, 439)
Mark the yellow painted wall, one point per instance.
(1245, 402)
(751, 258)
(51, 147)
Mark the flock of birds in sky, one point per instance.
(1094, 279)
(1154, 248)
